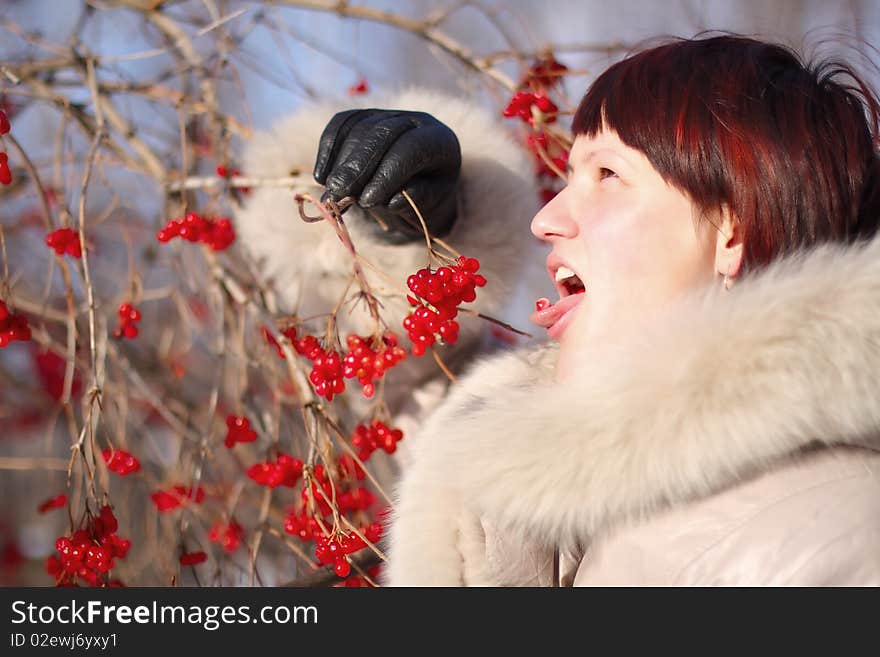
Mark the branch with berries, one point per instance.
(191, 432)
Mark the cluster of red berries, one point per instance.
(355, 499)
(334, 548)
(283, 471)
(5, 174)
(303, 525)
(12, 326)
(525, 105)
(438, 294)
(65, 240)
(331, 549)
(121, 462)
(216, 233)
(192, 558)
(326, 376)
(368, 364)
(307, 527)
(367, 439)
(532, 102)
(129, 316)
(53, 503)
(89, 554)
(238, 431)
(228, 535)
(330, 368)
(176, 497)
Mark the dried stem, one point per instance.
(449, 375)
(333, 216)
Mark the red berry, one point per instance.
(228, 535)
(12, 327)
(5, 173)
(192, 558)
(176, 497)
(342, 568)
(121, 462)
(359, 88)
(53, 503)
(238, 431)
(65, 241)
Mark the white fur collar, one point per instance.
(723, 387)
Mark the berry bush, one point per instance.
(163, 421)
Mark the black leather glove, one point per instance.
(374, 155)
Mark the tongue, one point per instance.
(551, 314)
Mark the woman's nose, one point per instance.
(554, 220)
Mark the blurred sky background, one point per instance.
(319, 53)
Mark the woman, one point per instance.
(709, 411)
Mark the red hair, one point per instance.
(789, 148)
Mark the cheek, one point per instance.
(683, 251)
(622, 239)
(646, 241)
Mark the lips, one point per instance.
(556, 317)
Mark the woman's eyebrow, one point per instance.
(592, 154)
(569, 167)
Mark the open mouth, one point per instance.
(568, 283)
(555, 317)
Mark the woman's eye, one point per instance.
(605, 172)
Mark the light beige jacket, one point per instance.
(734, 442)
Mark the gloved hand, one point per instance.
(374, 155)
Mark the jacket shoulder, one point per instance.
(810, 521)
(818, 524)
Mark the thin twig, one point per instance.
(449, 375)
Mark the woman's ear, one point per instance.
(728, 245)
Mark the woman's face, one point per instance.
(628, 238)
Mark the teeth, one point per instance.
(564, 272)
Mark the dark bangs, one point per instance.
(735, 122)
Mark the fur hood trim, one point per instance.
(724, 386)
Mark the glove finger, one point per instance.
(333, 137)
(436, 199)
(429, 149)
(363, 150)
